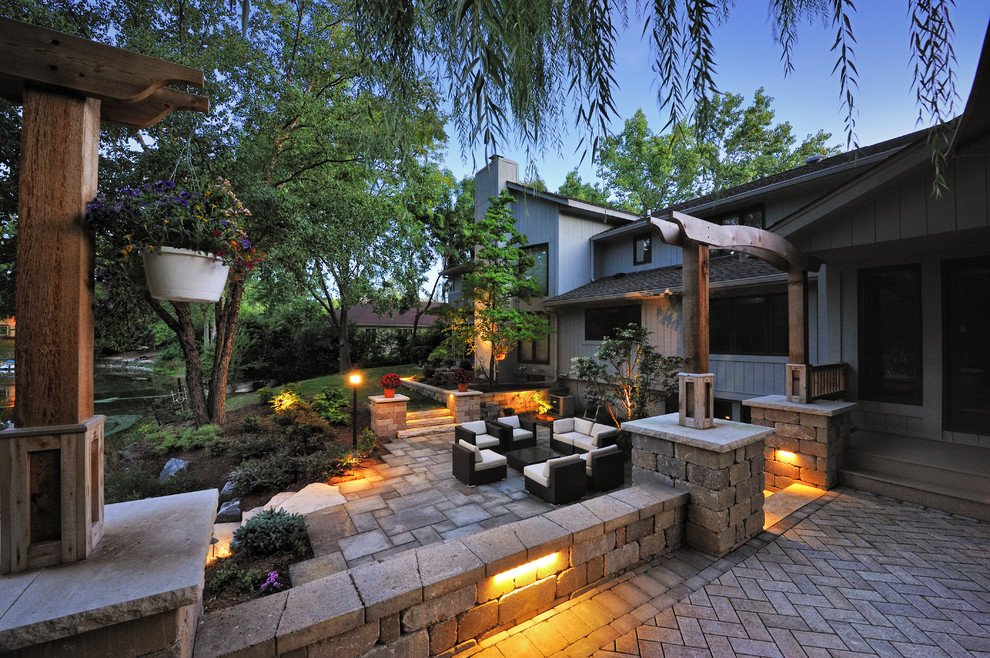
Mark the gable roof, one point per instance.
(363, 315)
(726, 269)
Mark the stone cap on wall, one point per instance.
(725, 436)
(150, 561)
(818, 407)
(381, 399)
(468, 393)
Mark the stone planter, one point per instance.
(183, 275)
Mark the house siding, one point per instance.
(617, 256)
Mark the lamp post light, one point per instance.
(355, 380)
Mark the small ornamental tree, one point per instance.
(488, 321)
(627, 373)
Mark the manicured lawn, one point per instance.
(369, 386)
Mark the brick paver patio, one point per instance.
(850, 574)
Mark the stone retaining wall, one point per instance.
(518, 401)
(809, 440)
(443, 598)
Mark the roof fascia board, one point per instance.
(896, 165)
(578, 206)
(731, 284)
(622, 231)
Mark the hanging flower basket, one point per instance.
(183, 275)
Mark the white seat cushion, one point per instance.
(521, 435)
(489, 459)
(583, 426)
(511, 421)
(564, 438)
(558, 460)
(476, 426)
(473, 448)
(584, 444)
(535, 472)
(571, 437)
(486, 441)
(563, 425)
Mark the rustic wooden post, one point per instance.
(51, 466)
(696, 404)
(796, 376)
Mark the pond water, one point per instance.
(123, 396)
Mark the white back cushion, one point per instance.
(563, 425)
(473, 448)
(558, 460)
(583, 425)
(476, 426)
(511, 421)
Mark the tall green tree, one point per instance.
(488, 320)
(576, 188)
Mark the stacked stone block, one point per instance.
(726, 488)
(388, 415)
(464, 407)
(444, 598)
(809, 440)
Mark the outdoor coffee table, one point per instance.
(520, 459)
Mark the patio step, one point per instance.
(428, 422)
(945, 476)
(446, 430)
(430, 413)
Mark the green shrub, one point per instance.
(228, 572)
(251, 423)
(272, 531)
(129, 484)
(169, 439)
(265, 395)
(252, 446)
(328, 463)
(367, 442)
(301, 426)
(252, 579)
(332, 405)
(276, 471)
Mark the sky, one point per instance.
(747, 58)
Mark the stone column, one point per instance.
(721, 468)
(464, 407)
(808, 443)
(388, 415)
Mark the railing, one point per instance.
(827, 380)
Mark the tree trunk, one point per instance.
(191, 355)
(225, 332)
(492, 364)
(344, 339)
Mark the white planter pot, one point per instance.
(183, 275)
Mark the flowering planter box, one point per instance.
(182, 275)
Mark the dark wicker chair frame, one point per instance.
(463, 467)
(509, 442)
(567, 483)
(607, 471)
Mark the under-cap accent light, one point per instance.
(535, 565)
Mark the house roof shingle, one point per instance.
(363, 315)
(730, 267)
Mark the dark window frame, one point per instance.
(872, 385)
(771, 335)
(648, 250)
(545, 247)
(530, 345)
(604, 312)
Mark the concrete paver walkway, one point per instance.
(849, 574)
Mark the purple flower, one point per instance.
(272, 581)
(246, 243)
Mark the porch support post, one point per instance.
(54, 304)
(796, 380)
(695, 385)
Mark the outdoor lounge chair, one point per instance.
(481, 433)
(521, 433)
(557, 481)
(605, 468)
(472, 466)
(571, 435)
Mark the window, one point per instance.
(601, 322)
(748, 325)
(890, 334)
(535, 351)
(540, 270)
(744, 217)
(642, 251)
